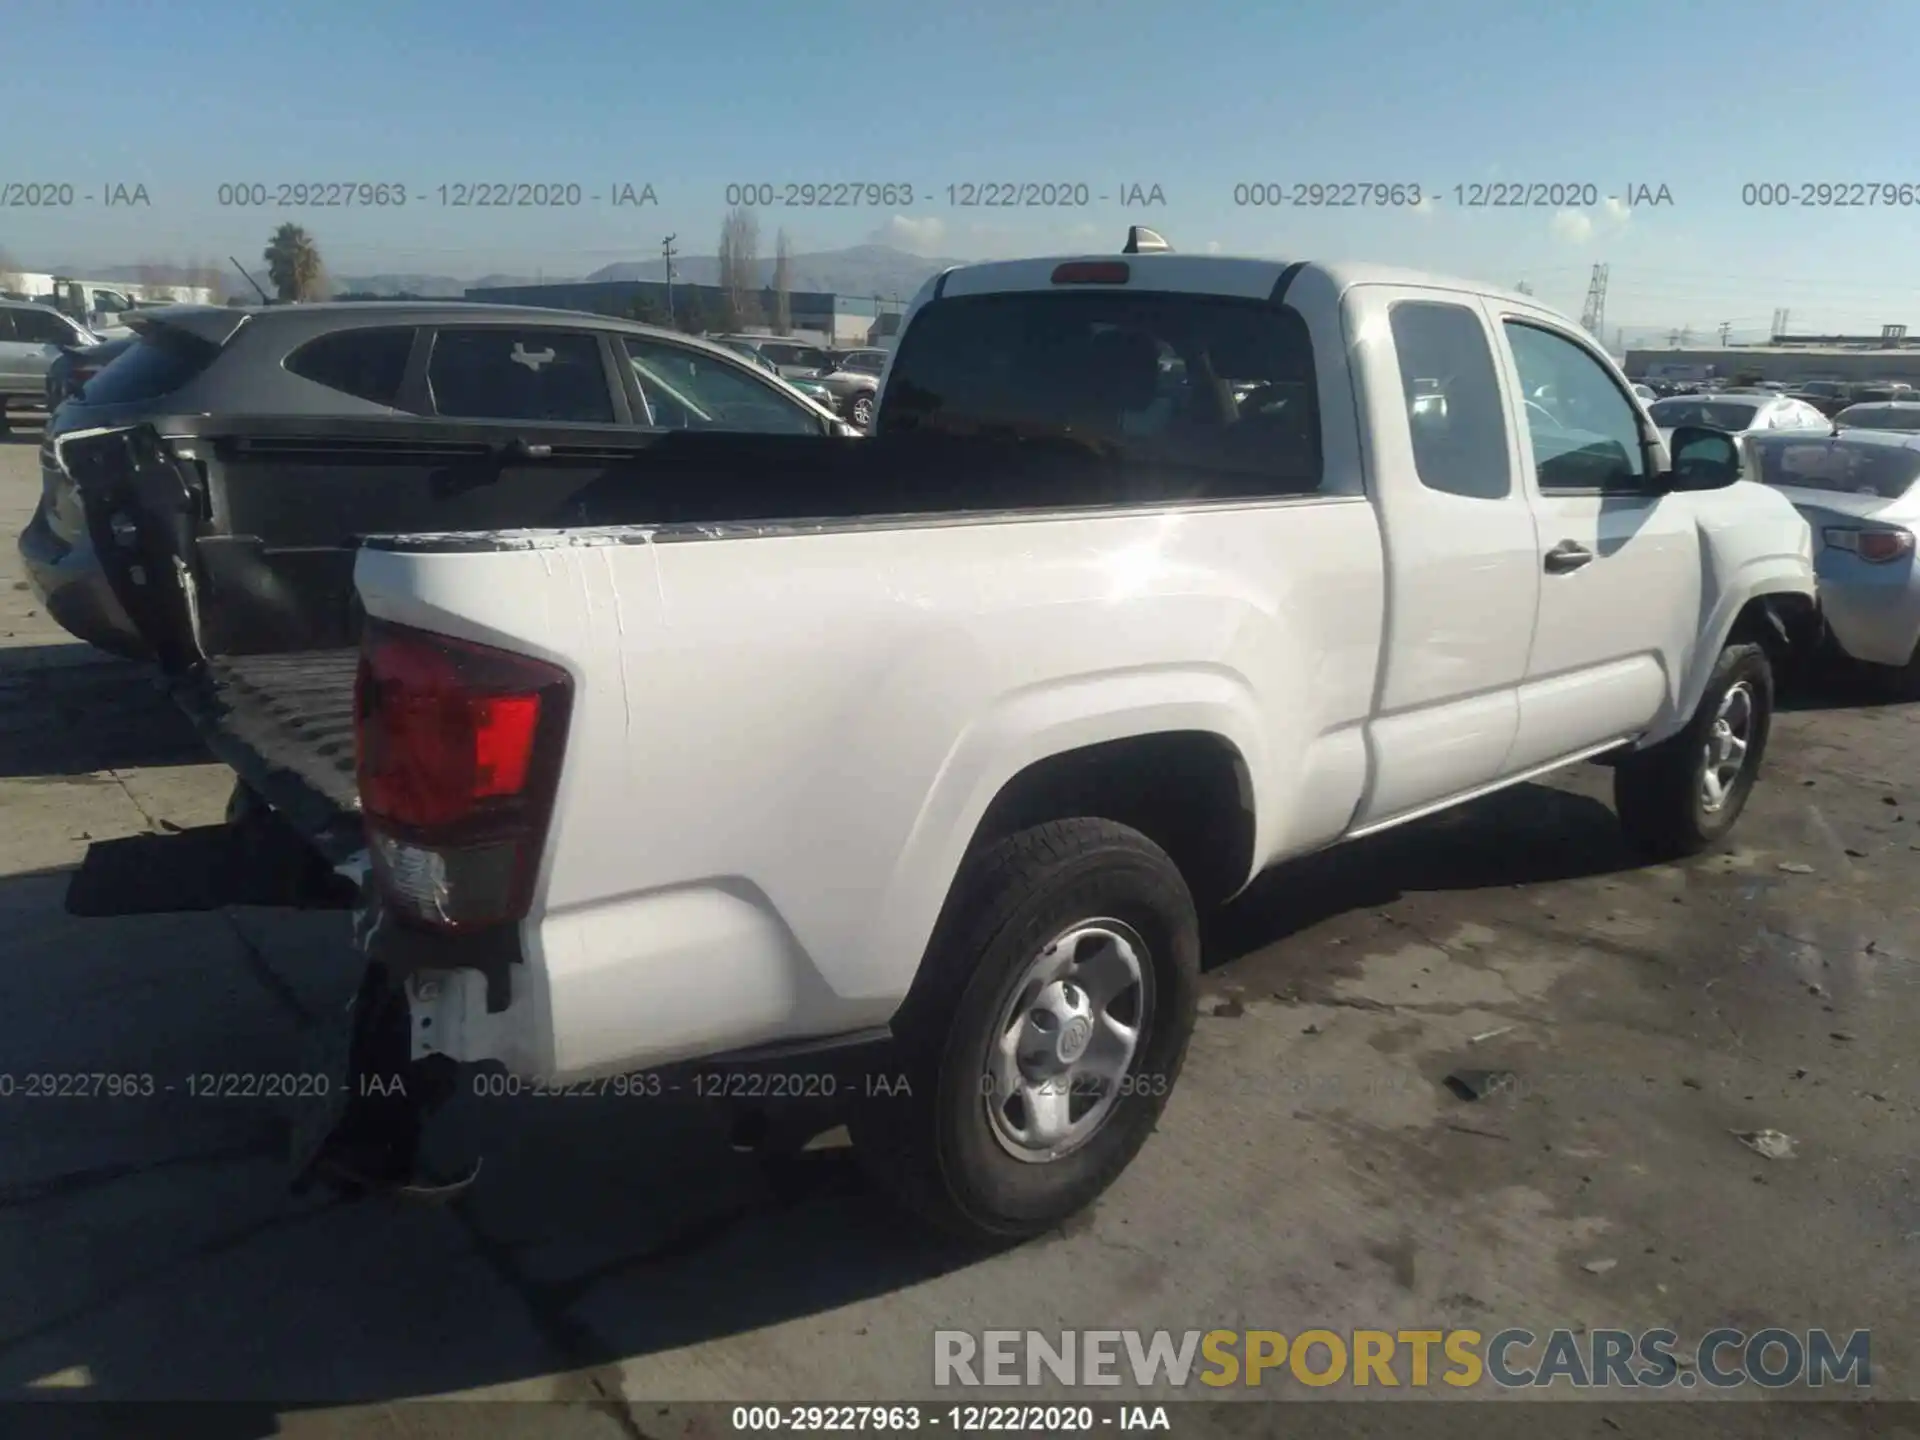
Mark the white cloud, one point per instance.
(1618, 210)
(1213, 247)
(1427, 208)
(922, 235)
(1573, 226)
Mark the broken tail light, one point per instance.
(457, 750)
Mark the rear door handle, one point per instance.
(1567, 556)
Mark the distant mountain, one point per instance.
(858, 270)
(433, 287)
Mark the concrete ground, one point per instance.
(1312, 1169)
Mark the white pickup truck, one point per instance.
(1158, 571)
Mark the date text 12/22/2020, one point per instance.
(1411, 195)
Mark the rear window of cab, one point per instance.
(1196, 396)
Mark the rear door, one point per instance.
(1619, 566)
(1462, 556)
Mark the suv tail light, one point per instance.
(1877, 547)
(458, 750)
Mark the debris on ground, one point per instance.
(1478, 1084)
(1460, 1129)
(1599, 1267)
(1796, 867)
(1228, 1009)
(1816, 989)
(1773, 1144)
(1691, 1083)
(1490, 1034)
(1313, 1029)
(1841, 1034)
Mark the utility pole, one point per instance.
(666, 249)
(1726, 331)
(1594, 317)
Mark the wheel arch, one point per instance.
(1782, 618)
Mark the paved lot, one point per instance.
(1310, 1170)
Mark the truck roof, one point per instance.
(1208, 275)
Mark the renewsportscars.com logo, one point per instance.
(1510, 1359)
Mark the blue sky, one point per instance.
(1701, 97)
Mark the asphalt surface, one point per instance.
(1312, 1169)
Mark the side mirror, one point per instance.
(1703, 459)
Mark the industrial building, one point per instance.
(1890, 355)
(816, 315)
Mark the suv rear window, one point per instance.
(1199, 397)
(157, 364)
(366, 364)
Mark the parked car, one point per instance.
(1738, 414)
(814, 388)
(794, 359)
(1645, 392)
(1829, 397)
(73, 368)
(281, 404)
(931, 748)
(1860, 492)
(1880, 415)
(1878, 393)
(32, 338)
(854, 380)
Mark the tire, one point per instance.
(860, 410)
(933, 1143)
(1661, 793)
(244, 805)
(1900, 682)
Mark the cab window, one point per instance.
(1584, 431)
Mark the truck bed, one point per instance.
(284, 724)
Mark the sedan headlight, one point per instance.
(1876, 547)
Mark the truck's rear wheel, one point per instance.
(1682, 796)
(1045, 1035)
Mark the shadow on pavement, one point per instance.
(1526, 835)
(72, 710)
(1832, 683)
(154, 1251)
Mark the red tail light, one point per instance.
(458, 750)
(1877, 547)
(1092, 272)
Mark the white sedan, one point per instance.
(1742, 414)
(1860, 492)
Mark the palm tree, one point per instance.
(293, 264)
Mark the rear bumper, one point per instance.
(1871, 611)
(69, 581)
(700, 976)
